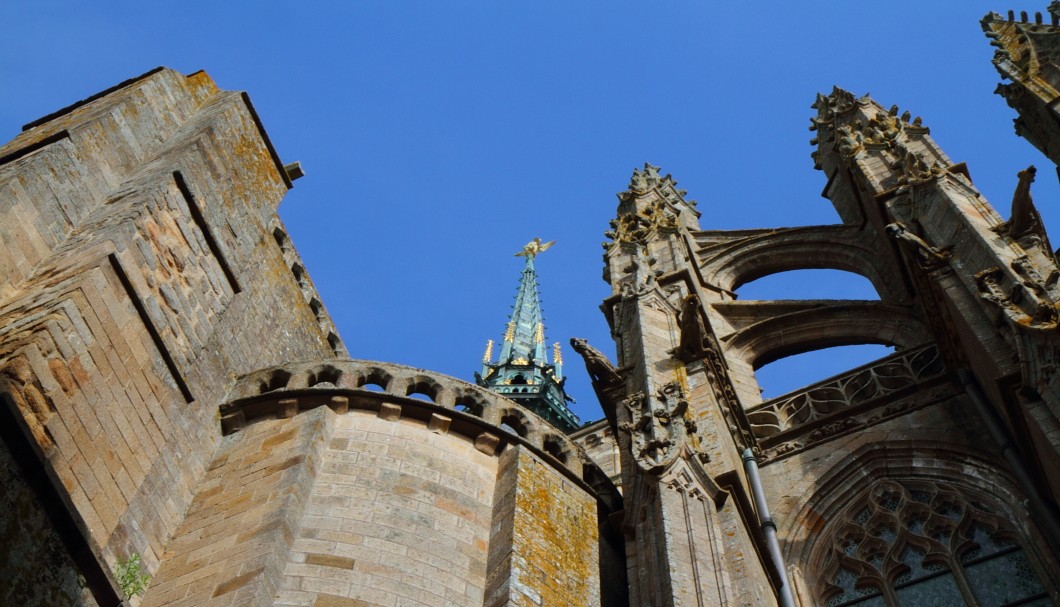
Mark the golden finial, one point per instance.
(539, 334)
(489, 351)
(557, 357)
(534, 247)
(509, 333)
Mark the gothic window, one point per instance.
(917, 542)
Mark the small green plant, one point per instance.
(131, 576)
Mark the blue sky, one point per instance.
(439, 137)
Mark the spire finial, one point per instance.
(535, 246)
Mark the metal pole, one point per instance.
(769, 528)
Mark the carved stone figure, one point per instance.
(990, 288)
(928, 253)
(694, 331)
(1025, 303)
(608, 382)
(849, 141)
(650, 430)
(1029, 276)
(1025, 224)
(602, 373)
(661, 427)
(1025, 218)
(642, 277)
(636, 227)
(19, 382)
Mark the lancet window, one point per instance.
(918, 542)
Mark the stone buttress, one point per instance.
(955, 431)
(670, 403)
(141, 270)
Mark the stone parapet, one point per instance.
(489, 420)
(346, 493)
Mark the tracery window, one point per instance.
(917, 543)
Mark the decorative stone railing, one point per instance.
(861, 397)
(442, 403)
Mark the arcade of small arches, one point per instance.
(399, 392)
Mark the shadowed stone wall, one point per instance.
(35, 566)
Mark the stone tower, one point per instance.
(144, 267)
(179, 410)
(180, 413)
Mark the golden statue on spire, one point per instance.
(534, 247)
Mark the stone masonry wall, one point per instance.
(36, 568)
(399, 515)
(600, 445)
(141, 275)
(544, 548)
(233, 545)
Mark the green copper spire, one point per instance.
(523, 372)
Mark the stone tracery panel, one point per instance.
(923, 542)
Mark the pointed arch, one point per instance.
(898, 517)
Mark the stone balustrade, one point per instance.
(855, 399)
